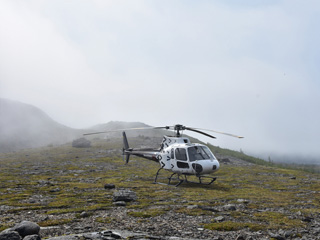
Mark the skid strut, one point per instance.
(183, 178)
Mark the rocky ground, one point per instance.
(69, 193)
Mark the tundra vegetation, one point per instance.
(54, 186)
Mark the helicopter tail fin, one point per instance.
(126, 149)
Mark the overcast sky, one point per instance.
(245, 67)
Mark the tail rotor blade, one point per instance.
(125, 141)
(126, 155)
(127, 158)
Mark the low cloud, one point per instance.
(244, 69)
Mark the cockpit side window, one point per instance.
(198, 153)
(181, 154)
(207, 150)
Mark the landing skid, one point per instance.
(183, 178)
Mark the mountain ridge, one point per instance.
(26, 126)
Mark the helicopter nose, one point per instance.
(216, 166)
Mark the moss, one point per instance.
(274, 220)
(54, 222)
(5, 226)
(47, 169)
(63, 202)
(234, 226)
(25, 208)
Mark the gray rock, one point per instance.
(192, 206)
(288, 234)
(224, 160)
(9, 235)
(243, 201)
(26, 228)
(124, 195)
(70, 237)
(241, 236)
(84, 214)
(307, 219)
(120, 203)
(219, 219)
(105, 235)
(229, 207)
(55, 190)
(111, 234)
(109, 186)
(32, 237)
(209, 208)
(277, 236)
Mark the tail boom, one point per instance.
(148, 153)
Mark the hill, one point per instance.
(26, 126)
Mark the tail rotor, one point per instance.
(126, 149)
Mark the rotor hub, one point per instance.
(178, 128)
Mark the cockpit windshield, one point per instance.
(199, 153)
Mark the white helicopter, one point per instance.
(177, 154)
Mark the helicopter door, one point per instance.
(181, 158)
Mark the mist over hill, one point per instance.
(26, 126)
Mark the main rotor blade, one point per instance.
(85, 134)
(195, 130)
(228, 134)
(127, 129)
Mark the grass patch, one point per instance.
(274, 220)
(65, 180)
(234, 226)
(54, 222)
(5, 226)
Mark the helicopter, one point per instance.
(177, 155)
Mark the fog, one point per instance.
(250, 69)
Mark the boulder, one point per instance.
(120, 203)
(229, 207)
(9, 234)
(209, 208)
(111, 234)
(84, 214)
(224, 160)
(124, 195)
(32, 237)
(81, 143)
(219, 219)
(109, 186)
(26, 228)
